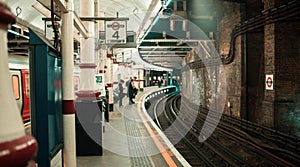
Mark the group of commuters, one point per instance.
(131, 91)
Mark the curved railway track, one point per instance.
(185, 146)
(234, 142)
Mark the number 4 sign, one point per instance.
(115, 32)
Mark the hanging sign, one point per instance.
(100, 84)
(269, 82)
(115, 32)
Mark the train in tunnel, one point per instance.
(163, 78)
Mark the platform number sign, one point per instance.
(269, 82)
(115, 32)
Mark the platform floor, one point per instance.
(127, 141)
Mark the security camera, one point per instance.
(167, 12)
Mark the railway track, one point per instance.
(233, 143)
(186, 147)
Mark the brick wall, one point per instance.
(273, 49)
(281, 107)
(229, 17)
(287, 67)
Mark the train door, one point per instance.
(26, 95)
(17, 87)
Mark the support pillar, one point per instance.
(87, 53)
(141, 78)
(109, 75)
(88, 104)
(266, 116)
(69, 149)
(281, 105)
(16, 149)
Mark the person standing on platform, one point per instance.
(121, 93)
(159, 82)
(131, 91)
(127, 86)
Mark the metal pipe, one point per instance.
(267, 17)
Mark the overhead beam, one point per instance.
(104, 18)
(18, 53)
(201, 17)
(127, 45)
(61, 5)
(177, 40)
(166, 47)
(144, 26)
(18, 41)
(167, 64)
(19, 48)
(165, 59)
(161, 63)
(161, 52)
(79, 26)
(163, 56)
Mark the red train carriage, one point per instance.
(19, 71)
(20, 77)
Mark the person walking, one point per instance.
(121, 93)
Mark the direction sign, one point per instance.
(269, 82)
(115, 32)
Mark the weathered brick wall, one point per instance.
(273, 49)
(266, 115)
(281, 107)
(203, 83)
(229, 17)
(287, 70)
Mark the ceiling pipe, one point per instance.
(54, 26)
(267, 17)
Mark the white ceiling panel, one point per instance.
(134, 9)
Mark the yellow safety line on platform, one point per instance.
(158, 143)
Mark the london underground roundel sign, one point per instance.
(269, 82)
(115, 32)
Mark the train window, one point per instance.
(16, 88)
(27, 85)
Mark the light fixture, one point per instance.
(135, 10)
(18, 10)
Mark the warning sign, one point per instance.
(269, 82)
(115, 32)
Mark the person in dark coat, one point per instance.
(131, 92)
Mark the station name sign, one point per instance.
(115, 32)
